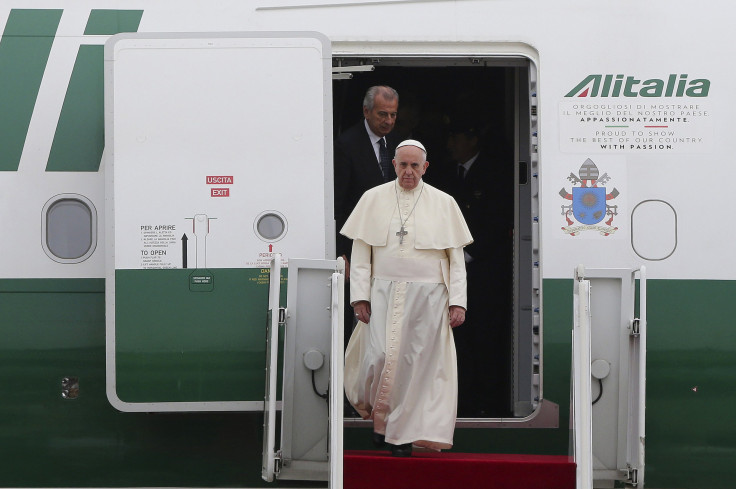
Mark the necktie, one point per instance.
(386, 166)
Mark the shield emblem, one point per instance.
(589, 204)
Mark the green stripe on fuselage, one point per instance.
(80, 135)
(24, 52)
(52, 328)
(109, 22)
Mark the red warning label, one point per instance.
(220, 192)
(219, 180)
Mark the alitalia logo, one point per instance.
(630, 86)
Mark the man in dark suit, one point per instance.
(362, 160)
(482, 183)
(363, 156)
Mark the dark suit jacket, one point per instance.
(486, 198)
(356, 170)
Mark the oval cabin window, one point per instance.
(70, 228)
(654, 230)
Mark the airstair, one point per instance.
(607, 399)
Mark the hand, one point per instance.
(362, 311)
(457, 316)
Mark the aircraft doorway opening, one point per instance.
(460, 107)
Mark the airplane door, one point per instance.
(218, 156)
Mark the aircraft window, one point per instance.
(70, 228)
(270, 226)
(654, 230)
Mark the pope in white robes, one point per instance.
(407, 284)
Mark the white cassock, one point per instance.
(401, 368)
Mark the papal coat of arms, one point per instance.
(589, 202)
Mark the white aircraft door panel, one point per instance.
(219, 156)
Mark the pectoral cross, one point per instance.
(401, 234)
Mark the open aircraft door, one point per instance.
(609, 376)
(218, 157)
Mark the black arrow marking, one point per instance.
(184, 240)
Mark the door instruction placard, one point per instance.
(157, 241)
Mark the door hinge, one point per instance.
(632, 476)
(277, 464)
(282, 316)
(635, 327)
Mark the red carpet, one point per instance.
(377, 469)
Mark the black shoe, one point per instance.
(379, 440)
(401, 450)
